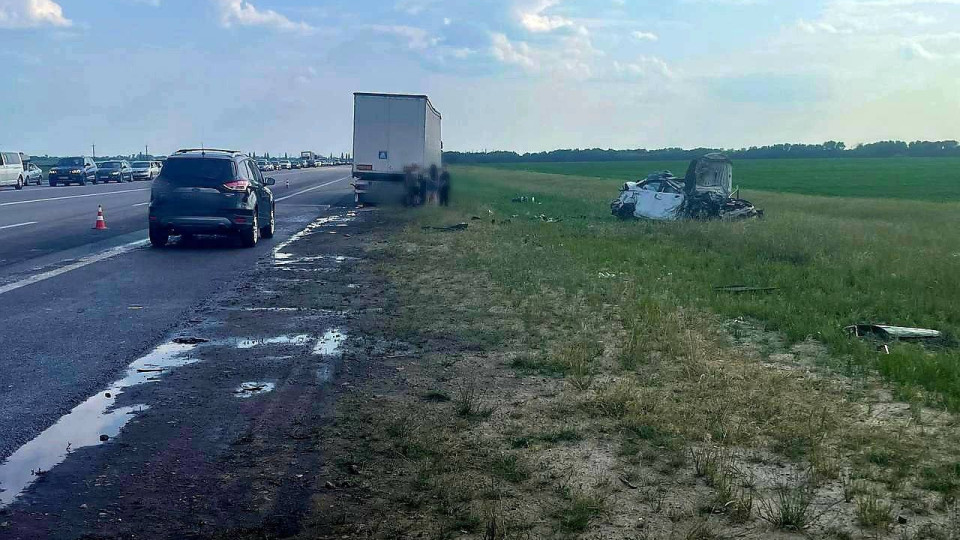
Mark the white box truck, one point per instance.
(392, 134)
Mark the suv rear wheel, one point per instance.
(159, 236)
(19, 183)
(250, 237)
(268, 230)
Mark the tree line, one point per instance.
(829, 149)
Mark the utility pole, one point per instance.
(146, 150)
(94, 150)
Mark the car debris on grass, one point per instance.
(893, 333)
(705, 192)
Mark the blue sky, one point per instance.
(526, 75)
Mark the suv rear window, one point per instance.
(198, 172)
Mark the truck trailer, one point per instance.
(394, 136)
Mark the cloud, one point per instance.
(645, 36)
(417, 39)
(533, 18)
(518, 54)
(644, 67)
(31, 14)
(244, 13)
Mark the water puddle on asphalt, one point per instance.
(93, 422)
(278, 252)
(328, 347)
(329, 343)
(251, 389)
(249, 343)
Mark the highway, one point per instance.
(77, 304)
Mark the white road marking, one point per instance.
(142, 204)
(86, 261)
(18, 225)
(301, 192)
(104, 194)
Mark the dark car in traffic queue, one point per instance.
(114, 171)
(205, 191)
(72, 170)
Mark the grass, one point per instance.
(578, 372)
(922, 179)
(836, 261)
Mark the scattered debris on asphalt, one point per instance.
(893, 333)
(737, 289)
(457, 227)
(250, 389)
(705, 193)
(189, 340)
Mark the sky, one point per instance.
(525, 75)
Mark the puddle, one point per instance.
(279, 254)
(329, 343)
(87, 423)
(249, 343)
(250, 389)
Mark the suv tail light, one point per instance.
(237, 185)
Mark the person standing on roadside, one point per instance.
(411, 187)
(433, 184)
(444, 188)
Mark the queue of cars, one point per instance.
(16, 170)
(291, 164)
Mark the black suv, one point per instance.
(204, 191)
(114, 171)
(73, 170)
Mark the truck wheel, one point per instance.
(251, 236)
(159, 236)
(19, 183)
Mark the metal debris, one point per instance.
(736, 289)
(188, 340)
(893, 333)
(457, 227)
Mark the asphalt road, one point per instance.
(77, 305)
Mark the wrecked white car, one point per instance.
(706, 192)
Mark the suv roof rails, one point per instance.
(205, 150)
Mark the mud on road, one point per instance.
(217, 435)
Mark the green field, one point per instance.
(836, 260)
(921, 179)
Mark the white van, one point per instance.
(11, 169)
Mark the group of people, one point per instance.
(429, 189)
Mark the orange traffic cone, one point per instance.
(101, 223)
